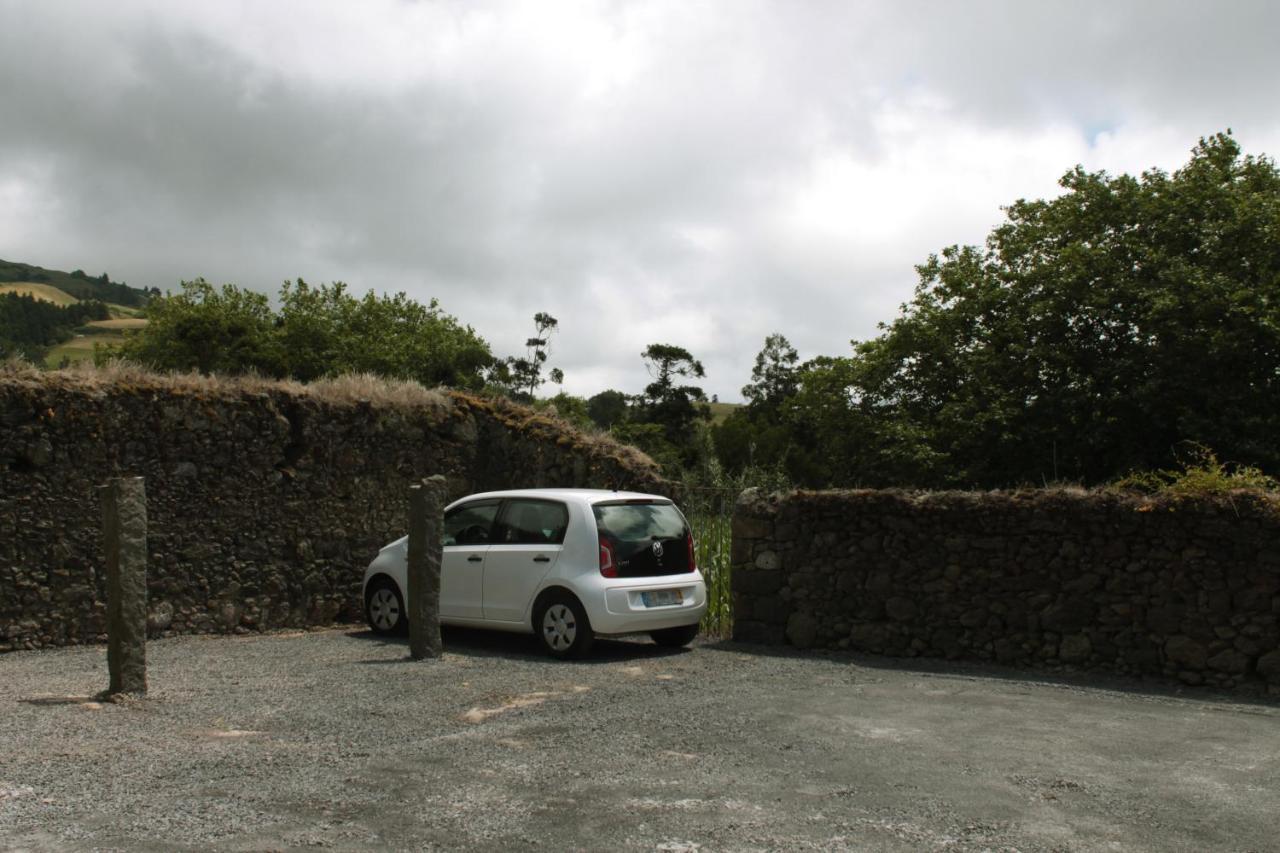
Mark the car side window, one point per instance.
(470, 524)
(533, 522)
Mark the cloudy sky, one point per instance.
(700, 174)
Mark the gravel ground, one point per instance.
(335, 739)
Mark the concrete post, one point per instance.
(426, 529)
(124, 527)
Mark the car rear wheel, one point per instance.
(675, 637)
(563, 627)
(384, 608)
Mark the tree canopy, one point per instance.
(773, 379)
(667, 402)
(317, 331)
(668, 419)
(519, 377)
(1093, 334)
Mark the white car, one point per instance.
(567, 565)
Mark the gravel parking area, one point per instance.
(335, 739)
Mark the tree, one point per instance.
(522, 376)
(1091, 335)
(668, 403)
(30, 326)
(819, 433)
(570, 408)
(835, 434)
(607, 408)
(774, 376)
(756, 432)
(212, 330)
(319, 331)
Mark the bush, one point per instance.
(318, 331)
(1201, 475)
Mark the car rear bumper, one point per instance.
(621, 609)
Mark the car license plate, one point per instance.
(661, 597)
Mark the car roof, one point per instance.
(587, 496)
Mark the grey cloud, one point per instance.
(165, 149)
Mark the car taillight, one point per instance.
(693, 563)
(608, 567)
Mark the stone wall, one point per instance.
(266, 500)
(1188, 589)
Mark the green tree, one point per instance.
(326, 330)
(209, 329)
(821, 431)
(607, 408)
(757, 432)
(521, 376)
(1091, 335)
(319, 331)
(570, 408)
(837, 435)
(652, 439)
(669, 403)
(774, 377)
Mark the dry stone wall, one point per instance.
(1188, 589)
(265, 500)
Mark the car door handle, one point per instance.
(541, 559)
(474, 558)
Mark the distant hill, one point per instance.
(76, 283)
(54, 317)
(38, 290)
(720, 411)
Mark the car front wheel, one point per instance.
(563, 627)
(384, 608)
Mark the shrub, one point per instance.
(1201, 474)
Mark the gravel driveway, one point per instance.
(335, 739)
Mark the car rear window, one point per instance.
(649, 538)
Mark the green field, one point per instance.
(117, 324)
(81, 347)
(105, 334)
(720, 411)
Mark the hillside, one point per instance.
(43, 292)
(75, 283)
(54, 317)
(720, 411)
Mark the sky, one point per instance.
(695, 173)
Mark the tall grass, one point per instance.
(707, 498)
(710, 513)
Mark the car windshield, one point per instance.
(648, 537)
